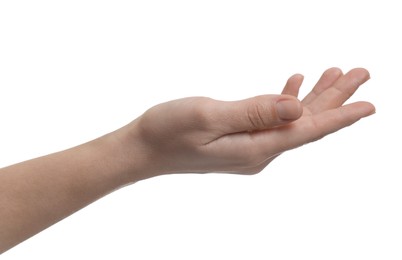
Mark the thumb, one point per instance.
(258, 113)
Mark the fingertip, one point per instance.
(293, 85)
(296, 79)
(361, 109)
(361, 73)
(362, 70)
(289, 108)
(334, 71)
(297, 76)
(371, 109)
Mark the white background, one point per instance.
(71, 71)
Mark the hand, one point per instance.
(186, 135)
(200, 134)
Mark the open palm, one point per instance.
(206, 135)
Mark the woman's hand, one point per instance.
(186, 135)
(200, 134)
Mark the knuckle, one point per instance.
(355, 83)
(259, 115)
(200, 111)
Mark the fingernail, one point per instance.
(288, 109)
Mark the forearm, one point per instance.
(38, 193)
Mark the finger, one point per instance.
(327, 79)
(339, 91)
(293, 85)
(312, 128)
(251, 152)
(258, 113)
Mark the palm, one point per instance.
(323, 110)
(323, 113)
(322, 107)
(205, 135)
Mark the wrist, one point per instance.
(130, 157)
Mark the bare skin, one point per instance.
(197, 134)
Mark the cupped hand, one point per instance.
(200, 134)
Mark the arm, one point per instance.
(186, 135)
